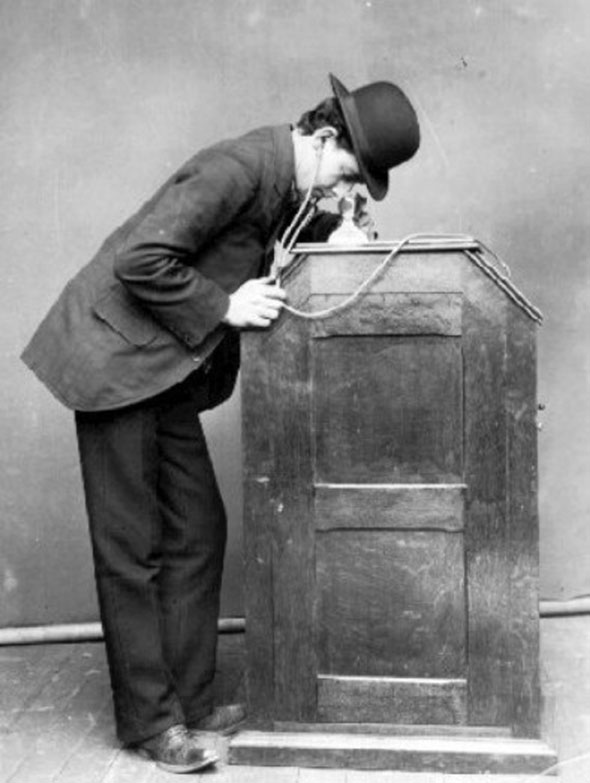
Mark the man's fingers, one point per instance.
(266, 304)
(268, 301)
(265, 313)
(269, 312)
(256, 303)
(277, 293)
(268, 287)
(274, 292)
(261, 321)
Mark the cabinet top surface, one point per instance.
(476, 252)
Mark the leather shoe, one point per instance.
(174, 750)
(225, 720)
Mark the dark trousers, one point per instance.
(158, 532)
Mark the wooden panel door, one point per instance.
(390, 619)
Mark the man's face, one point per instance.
(337, 168)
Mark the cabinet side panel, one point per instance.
(279, 535)
(523, 515)
(486, 530)
(258, 525)
(293, 534)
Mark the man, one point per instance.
(145, 337)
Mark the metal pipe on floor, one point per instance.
(564, 608)
(92, 632)
(84, 632)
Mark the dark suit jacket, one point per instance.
(146, 311)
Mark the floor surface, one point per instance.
(56, 724)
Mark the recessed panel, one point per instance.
(387, 409)
(392, 700)
(394, 314)
(390, 603)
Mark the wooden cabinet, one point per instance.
(391, 518)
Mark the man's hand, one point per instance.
(255, 303)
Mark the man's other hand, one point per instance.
(255, 303)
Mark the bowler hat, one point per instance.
(383, 127)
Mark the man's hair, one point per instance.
(327, 112)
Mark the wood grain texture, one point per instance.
(407, 273)
(46, 733)
(296, 280)
(370, 506)
(521, 407)
(382, 699)
(390, 603)
(24, 674)
(279, 486)
(293, 535)
(391, 481)
(566, 666)
(437, 754)
(388, 409)
(397, 729)
(486, 541)
(244, 774)
(437, 313)
(258, 450)
(258, 603)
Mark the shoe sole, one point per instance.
(181, 769)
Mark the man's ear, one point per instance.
(321, 134)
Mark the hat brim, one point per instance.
(377, 182)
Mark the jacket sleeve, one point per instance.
(158, 263)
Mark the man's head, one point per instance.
(323, 151)
(356, 137)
